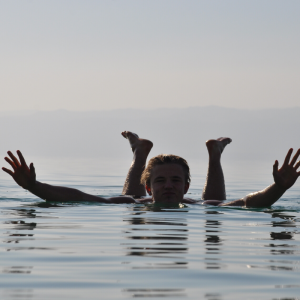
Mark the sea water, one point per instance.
(101, 251)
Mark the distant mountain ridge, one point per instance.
(256, 134)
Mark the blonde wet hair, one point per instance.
(163, 159)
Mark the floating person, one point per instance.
(166, 179)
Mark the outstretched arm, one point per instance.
(284, 178)
(25, 177)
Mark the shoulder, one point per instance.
(118, 200)
(144, 200)
(190, 201)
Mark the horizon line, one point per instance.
(143, 109)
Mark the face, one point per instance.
(167, 184)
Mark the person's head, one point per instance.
(166, 178)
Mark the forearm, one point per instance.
(61, 194)
(264, 198)
(64, 194)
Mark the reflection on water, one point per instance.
(26, 213)
(148, 252)
(17, 270)
(280, 249)
(20, 225)
(162, 240)
(281, 235)
(15, 238)
(213, 241)
(157, 236)
(18, 294)
(163, 293)
(213, 296)
(283, 249)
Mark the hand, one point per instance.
(287, 175)
(23, 176)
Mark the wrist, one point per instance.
(280, 188)
(31, 186)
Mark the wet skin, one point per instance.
(167, 184)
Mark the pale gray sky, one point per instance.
(94, 55)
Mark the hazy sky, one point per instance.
(94, 55)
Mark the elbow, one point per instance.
(254, 200)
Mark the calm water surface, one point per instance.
(99, 251)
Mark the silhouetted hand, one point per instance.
(287, 175)
(23, 175)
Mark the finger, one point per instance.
(288, 156)
(8, 171)
(21, 157)
(295, 157)
(32, 169)
(297, 165)
(11, 163)
(275, 166)
(15, 160)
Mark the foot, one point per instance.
(216, 147)
(137, 145)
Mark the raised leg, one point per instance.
(140, 149)
(214, 188)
